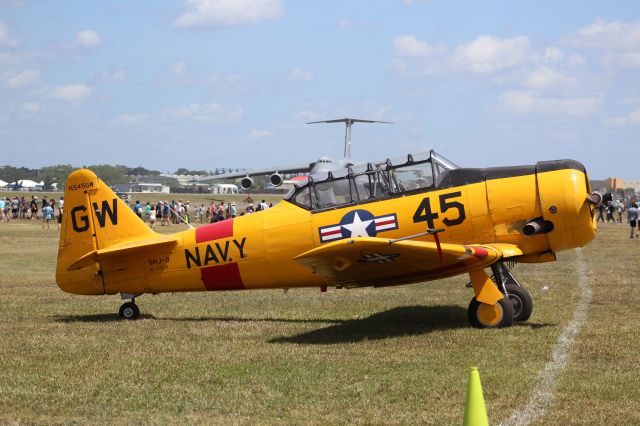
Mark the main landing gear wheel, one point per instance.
(129, 311)
(522, 301)
(483, 315)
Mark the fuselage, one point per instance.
(258, 251)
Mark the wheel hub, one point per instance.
(489, 315)
(517, 304)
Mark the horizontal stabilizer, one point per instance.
(122, 250)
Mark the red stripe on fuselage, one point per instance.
(222, 277)
(215, 231)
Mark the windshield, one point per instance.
(412, 176)
(370, 182)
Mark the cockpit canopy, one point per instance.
(371, 182)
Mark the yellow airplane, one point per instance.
(403, 221)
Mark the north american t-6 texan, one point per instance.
(399, 221)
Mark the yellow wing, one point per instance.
(379, 261)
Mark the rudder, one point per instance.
(94, 218)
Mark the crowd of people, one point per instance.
(163, 212)
(27, 208)
(175, 212)
(613, 211)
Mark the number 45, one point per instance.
(425, 214)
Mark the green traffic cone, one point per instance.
(475, 411)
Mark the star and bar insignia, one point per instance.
(358, 223)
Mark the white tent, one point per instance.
(224, 188)
(3, 184)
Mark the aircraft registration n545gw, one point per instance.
(403, 221)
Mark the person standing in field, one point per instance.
(15, 206)
(152, 217)
(633, 215)
(34, 207)
(166, 212)
(620, 210)
(601, 209)
(47, 215)
(60, 211)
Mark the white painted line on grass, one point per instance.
(544, 391)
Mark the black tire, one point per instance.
(129, 311)
(522, 302)
(482, 315)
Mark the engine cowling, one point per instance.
(246, 183)
(276, 179)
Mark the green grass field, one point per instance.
(366, 356)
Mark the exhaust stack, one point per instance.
(537, 226)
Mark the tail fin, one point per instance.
(94, 219)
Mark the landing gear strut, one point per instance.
(129, 310)
(509, 286)
(499, 300)
(489, 308)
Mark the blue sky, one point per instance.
(230, 83)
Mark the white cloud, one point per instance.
(488, 54)
(87, 39)
(24, 79)
(530, 102)
(5, 38)
(259, 134)
(129, 119)
(410, 46)
(300, 74)
(70, 92)
(608, 35)
(552, 54)
(631, 119)
(627, 59)
(207, 112)
(227, 13)
(576, 60)
(545, 77)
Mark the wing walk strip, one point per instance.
(544, 391)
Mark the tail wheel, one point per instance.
(521, 300)
(483, 315)
(129, 311)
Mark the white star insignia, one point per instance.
(358, 227)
